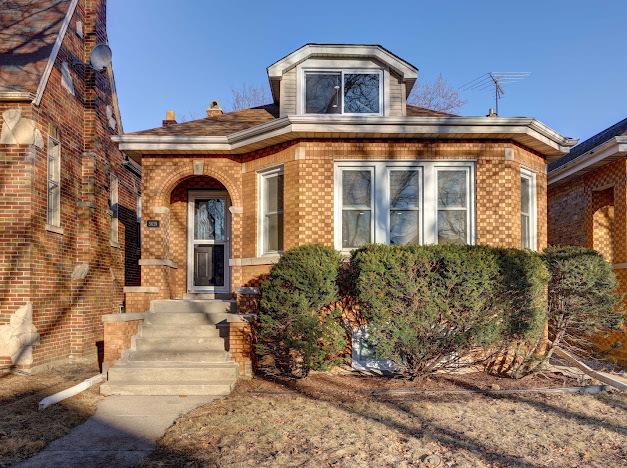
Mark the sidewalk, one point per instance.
(121, 433)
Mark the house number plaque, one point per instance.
(153, 223)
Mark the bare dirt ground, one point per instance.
(347, 420)
(24, 430)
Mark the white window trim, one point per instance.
(380, 224)
(302, 88)
(56, 223)
(261, 176)
(114, 201)
(192, 195)
(419, 208)
(470, 199)
(533, 208)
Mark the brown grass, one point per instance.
(24, 430)
(331, 420)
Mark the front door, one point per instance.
(208, 242)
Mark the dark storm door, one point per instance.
(208, 242)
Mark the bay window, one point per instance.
(528, 209)
(403, 202)
(343, 92)
(271, 211)
(453, 198)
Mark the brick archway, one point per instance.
(182, 174)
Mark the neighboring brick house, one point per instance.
(338, 158)
(68, 197)
(588, 206)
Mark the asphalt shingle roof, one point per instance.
(231, 122)
(615, 130)
(28, 31)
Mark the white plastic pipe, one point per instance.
(69, 392)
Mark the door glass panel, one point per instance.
(209, 265)
(209, 219)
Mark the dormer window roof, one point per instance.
(346, 53)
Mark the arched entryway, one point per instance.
(199, 237)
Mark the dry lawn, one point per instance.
(24, 430)
(339, 420)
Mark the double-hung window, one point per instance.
(271, 211)
(403, 202)
(453, 201)
(357, 92)
(528, 209)
(113, 208)
(53, 215)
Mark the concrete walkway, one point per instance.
(121, 433)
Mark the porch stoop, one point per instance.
(177, 351)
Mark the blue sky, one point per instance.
(182, 54)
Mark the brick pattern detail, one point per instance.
(139, 302)
(590, 210)
(36, 265)
(117, 339)
(308, 204)
(239, 342)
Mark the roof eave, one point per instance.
(608, 151)
(528, 132)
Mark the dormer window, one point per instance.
(343, 92)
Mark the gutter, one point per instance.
(609, 149)
(352, 124)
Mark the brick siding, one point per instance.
(36, 264)
(590, 210)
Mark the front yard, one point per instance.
(24, 430)
(347, 420)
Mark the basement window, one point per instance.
(351, 92)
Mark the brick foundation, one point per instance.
(119, 329)
(239, 342)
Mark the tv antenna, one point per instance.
(494, 80)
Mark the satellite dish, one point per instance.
(100, 57)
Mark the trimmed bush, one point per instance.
(430, 307)
(583, 298)
(294, 326)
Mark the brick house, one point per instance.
(68, 197)
(587, 205)
(338, 158)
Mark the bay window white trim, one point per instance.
(380, 195)
(262, 177)
(469, 202)
(533, 209)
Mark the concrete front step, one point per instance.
(169, 331)
(166, 372)
(187, 319)
(179, 344)
(191, 387)
(178, 356)
(215, 306)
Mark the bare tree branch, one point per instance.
(248, 96)
(438, 96)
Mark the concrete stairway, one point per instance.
(178, 351)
